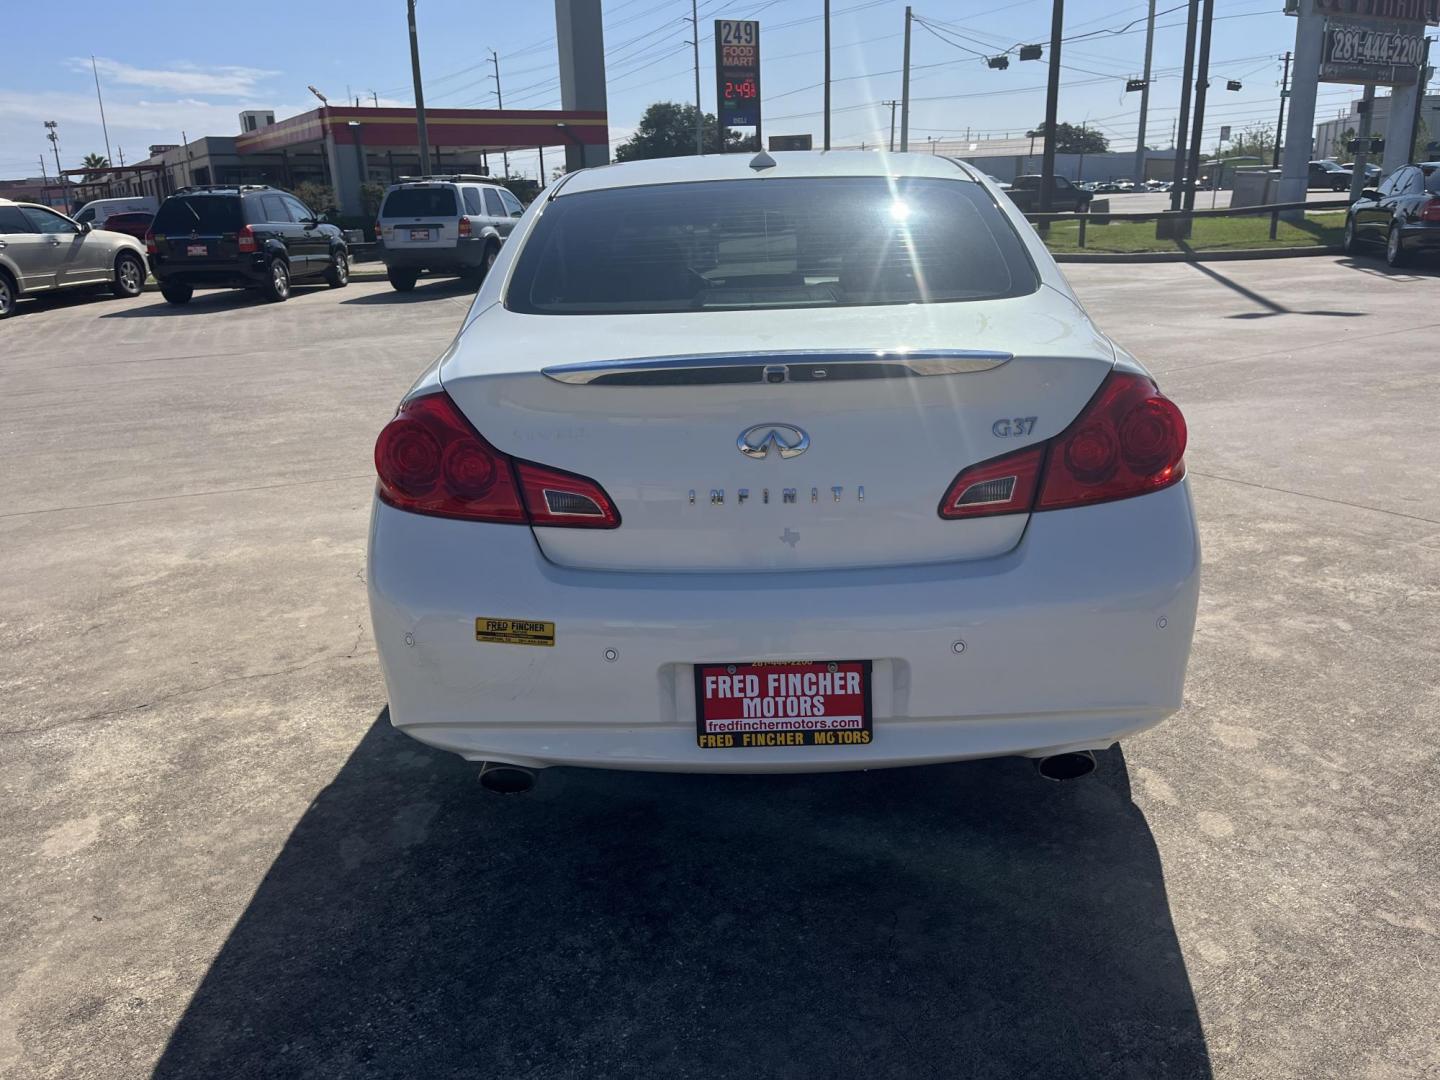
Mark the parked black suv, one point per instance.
(247, 237)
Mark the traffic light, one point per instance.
(1232, 84)
(1000, 62)
(1131, 85)
(1031, 52)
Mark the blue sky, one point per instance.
(192, 65)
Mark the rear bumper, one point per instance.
(1424, 237)
(464, 255)
(1076, 638)
(249, 272)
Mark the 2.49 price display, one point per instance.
(743, 90)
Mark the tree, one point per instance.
(96, 161)
(1424, 148)
(1341, 148)
(668, 130)
(318, 197)
(1072, 139)
(1257, 141)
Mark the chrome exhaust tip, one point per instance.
(504, 779)
(1071, 766)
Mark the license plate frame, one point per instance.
(194, 251)
(421, 234)
(717, 729)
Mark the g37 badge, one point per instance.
(1013, 428)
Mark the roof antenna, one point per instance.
(762, 160)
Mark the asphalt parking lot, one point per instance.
(219, 860)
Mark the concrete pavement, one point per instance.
(219, 859)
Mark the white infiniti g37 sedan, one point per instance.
(777, 464)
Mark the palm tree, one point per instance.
(96, 161)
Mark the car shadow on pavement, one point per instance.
(1416, 270)
(967, 920)
(431, 289)
(203, 303)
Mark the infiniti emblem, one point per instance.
(755, 442)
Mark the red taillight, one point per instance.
(245, 240)
(430, 460)
(1129, 440)
(1002, 485)
(149, 241)
(1430, 211)
(377, 229)
(464, 226)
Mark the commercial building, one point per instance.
(1329, 134)
(345, 147)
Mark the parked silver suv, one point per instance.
(443, 224)
(42, 250)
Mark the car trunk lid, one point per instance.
(656, 409)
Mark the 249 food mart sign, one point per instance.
(737, 72)
(1374, 41)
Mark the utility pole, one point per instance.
(96, 72)
(905, 88)
(892, 105)
(1145, 96)
(500, 104)
(1202, 83)
(1052, 104)
(827, 74)
(1177, 189)
(421, 133)
(375, 98)
(1280, 123)
(45, 180)
(699, 115)
(53, 134)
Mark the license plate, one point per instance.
(419, 234)
(197, 249)
(807, 703)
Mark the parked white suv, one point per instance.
(443, 224)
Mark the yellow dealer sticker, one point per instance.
(515, 631)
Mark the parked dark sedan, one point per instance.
(1403, 214)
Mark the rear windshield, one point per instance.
(199, 213)
(781, 243)
(420, 202)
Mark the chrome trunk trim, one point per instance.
(797, 365)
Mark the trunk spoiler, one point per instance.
(798, 365)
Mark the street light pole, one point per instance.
(103, 127)
(422, 134)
